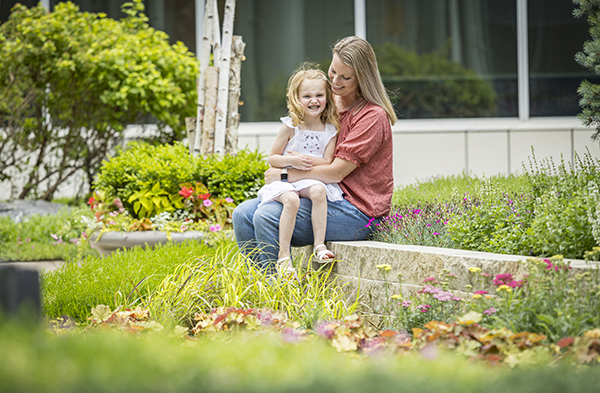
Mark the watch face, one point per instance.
(284, 177)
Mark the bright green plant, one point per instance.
(237, 177)
(227, 280)
(122, 279)
(91, 75)
(152, 201)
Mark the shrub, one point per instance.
(142, 166)
(93, 76)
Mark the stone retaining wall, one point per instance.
(356, 267)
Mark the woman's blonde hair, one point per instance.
(296, 111)
(357, 53)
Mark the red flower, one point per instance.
(186, 192)
(91, 202)
(204, 196)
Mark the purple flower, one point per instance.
(207, 202)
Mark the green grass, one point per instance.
(111, 361)
(44, 237)
(119, 279)
(444, 188)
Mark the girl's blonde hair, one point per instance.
(296, 111)
(357, 53)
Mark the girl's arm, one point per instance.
(276, 157)
(327, 157)
(329, 173)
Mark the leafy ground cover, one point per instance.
(100, 360)
(548, 210)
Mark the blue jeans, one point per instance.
(257, 228)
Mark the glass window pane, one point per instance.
(447, 58)
(280, 34)
(554, 38)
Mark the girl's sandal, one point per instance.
(322, 256)
(285, 268)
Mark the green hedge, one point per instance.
(141, 165)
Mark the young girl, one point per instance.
(307, 138)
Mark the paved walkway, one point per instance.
(37, 265)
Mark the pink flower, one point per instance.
(215, 228)
(406, 303)
(54, 236)
(481, 292)
(490, 311)
(229, 200)
(207, 202)
(428, 279)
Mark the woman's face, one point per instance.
(343, 79)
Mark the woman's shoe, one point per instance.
(323, 255)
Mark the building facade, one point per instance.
(475, 83)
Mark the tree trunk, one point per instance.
(233, 116)
(208, 124)
(224, 63)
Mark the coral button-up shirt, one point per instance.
(365, 139)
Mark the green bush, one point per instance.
(93, 76)
(116, 280)
(141, 166)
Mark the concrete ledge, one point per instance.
(356, 267)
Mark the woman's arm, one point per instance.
(276, 157)
(329, 173)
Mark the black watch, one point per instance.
(284, 175)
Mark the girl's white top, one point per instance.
(312, 143)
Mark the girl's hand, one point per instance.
(300, 161)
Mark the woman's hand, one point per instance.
(300, 161)
(272, 174)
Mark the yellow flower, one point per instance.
(396, 296)
(385, 267)
(504, 288)
(476, 296)
(474, 269)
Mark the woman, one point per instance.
(362, 166)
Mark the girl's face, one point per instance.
(312, 96)
(344, 82)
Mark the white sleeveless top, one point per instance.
(312, 143)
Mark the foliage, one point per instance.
(201, 206)
(71, 82)
(432, 85)
(423, 224)
(589, 102)
(494, 221)
(551, 300)
(153, 201)
(227, 280)
(103, 359)
(142, 165)
(44, 237)
(121, 279)
(550, 209)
